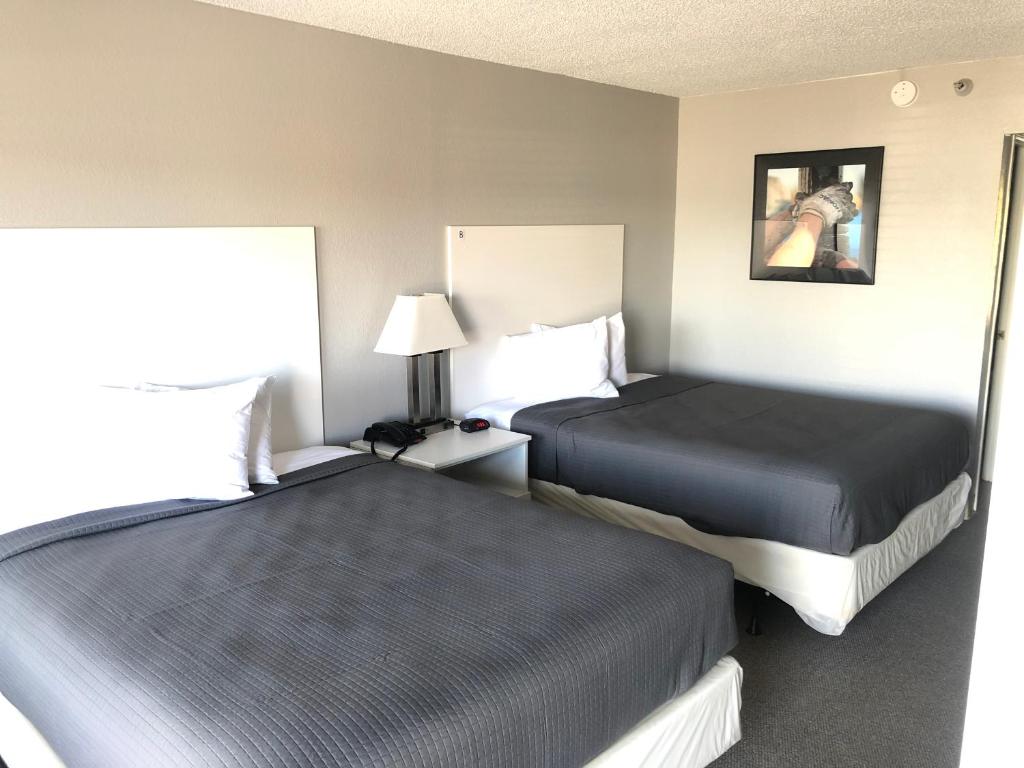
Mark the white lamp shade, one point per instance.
(419, 324)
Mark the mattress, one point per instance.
(358, 613)
(825, 590)
(826, 474)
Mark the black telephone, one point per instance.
(396, 433)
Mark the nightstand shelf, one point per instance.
(494, 458)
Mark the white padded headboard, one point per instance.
(177, 306)
(501, 279)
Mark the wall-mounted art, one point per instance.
(815, 216)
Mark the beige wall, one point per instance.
(174, 113)
(918, 333)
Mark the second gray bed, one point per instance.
(823, 473)
(358, 614)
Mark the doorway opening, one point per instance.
(1010, 244)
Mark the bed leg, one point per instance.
(754, 627)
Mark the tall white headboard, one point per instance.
(501, 279)
(177, 306)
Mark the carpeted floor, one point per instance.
(890, 691)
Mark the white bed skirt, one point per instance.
(21, 745)
(690, 731)
(827, 591)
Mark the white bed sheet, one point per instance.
(500, 412)
(290, 461)
(826, 590)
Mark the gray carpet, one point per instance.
(890, 691)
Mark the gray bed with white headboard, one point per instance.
(357, 612)
(840, 495)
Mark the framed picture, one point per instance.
(815, 216)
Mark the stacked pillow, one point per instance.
(259, 453)
(617, 371)
(161, 442)
(149, 443)
(551, 363)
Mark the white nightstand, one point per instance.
(495, 458)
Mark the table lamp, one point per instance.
(420, 328)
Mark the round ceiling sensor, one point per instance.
(904, 93)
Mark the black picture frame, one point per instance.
(845, 252)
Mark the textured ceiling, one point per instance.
(680, 48)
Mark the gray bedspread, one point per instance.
(358, 614)
(823, 473)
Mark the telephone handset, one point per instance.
(396, 433)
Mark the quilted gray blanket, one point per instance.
(358, 614)
(823, 473)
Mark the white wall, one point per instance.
(918, 333)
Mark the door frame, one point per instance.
(1013, 153)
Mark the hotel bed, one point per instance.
(354, 613)
(822, 501)
(361, 613)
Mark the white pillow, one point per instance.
(559, 363)
(260, 453)
(617, 371)
(617, 350)
(132, 447)
(180, 444)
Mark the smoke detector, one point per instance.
(904, 93)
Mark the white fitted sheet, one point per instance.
(826, 590)
(498, 412)
(290, 461)
(691, 730)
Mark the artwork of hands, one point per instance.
(833, 205)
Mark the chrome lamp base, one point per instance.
(426, 409)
